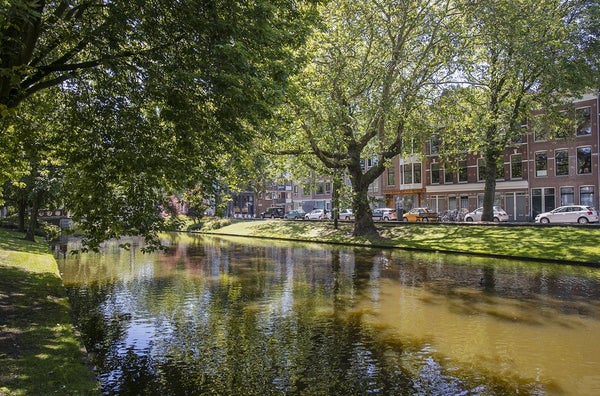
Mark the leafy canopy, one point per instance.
(156, 96)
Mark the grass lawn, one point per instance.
(559, 243)
(40, 353)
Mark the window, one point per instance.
(536, 201)
(437, 203)
(435, 173)
(462, 171)
(561, 162)
(586, 195)
(407, 175)
(417, 172)
(434, 144)
(295, 190)
(448, 176)
(583, 117)
(319, 188)
(542, 199)
(567, 196)
(516, 166)
(411, 173)
(328, 187)
(584, 160)
(451, 203)
(541, 164)
(391, 175)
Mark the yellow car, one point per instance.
(420, 215)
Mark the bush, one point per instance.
(50, 231)
(175, 223)
(196, 226)
(209, 224)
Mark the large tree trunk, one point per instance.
(363, 223)
(336, 199)
(22, 208)
(489, 192)
(30, 234)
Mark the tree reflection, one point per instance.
(221, 317)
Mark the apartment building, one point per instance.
(537, 174)
(566, 171)
(291, 195)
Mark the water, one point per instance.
(234, 316)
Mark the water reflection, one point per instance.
(239, 316)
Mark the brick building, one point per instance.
(537, 173)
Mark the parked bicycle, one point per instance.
(453, 216)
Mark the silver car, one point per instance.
(569, 214)
(316, 214)
(346, 214)
(499, 214)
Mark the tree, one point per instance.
(36, 134)
(372, 71)
(518, 55)
(154, 94)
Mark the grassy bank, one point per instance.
(566, 243)
(40, 353)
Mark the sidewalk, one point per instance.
(40, 352)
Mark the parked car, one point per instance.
(499, 214)
(294, 215)
(384, 214)
(272, 213)
(569, 214)
(346, 214)
(316, 214)
(423, 215)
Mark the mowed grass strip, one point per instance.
(40, 353)
(572, 243)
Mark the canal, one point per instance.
(235, 316)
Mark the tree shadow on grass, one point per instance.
(10, 240)
(39, 351)
(316, 231)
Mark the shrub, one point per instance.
(209, 224)
(50, 231)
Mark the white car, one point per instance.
(346, 214)
(499, 215)
(384, 214)
(569, 214)
(316, 214)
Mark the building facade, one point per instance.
(537, 173)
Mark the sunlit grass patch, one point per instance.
(39, 350)
(566, 243)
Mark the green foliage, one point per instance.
(149, 100)
(372, 70)
(208, 224)
(50, 231)
(515, 57)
